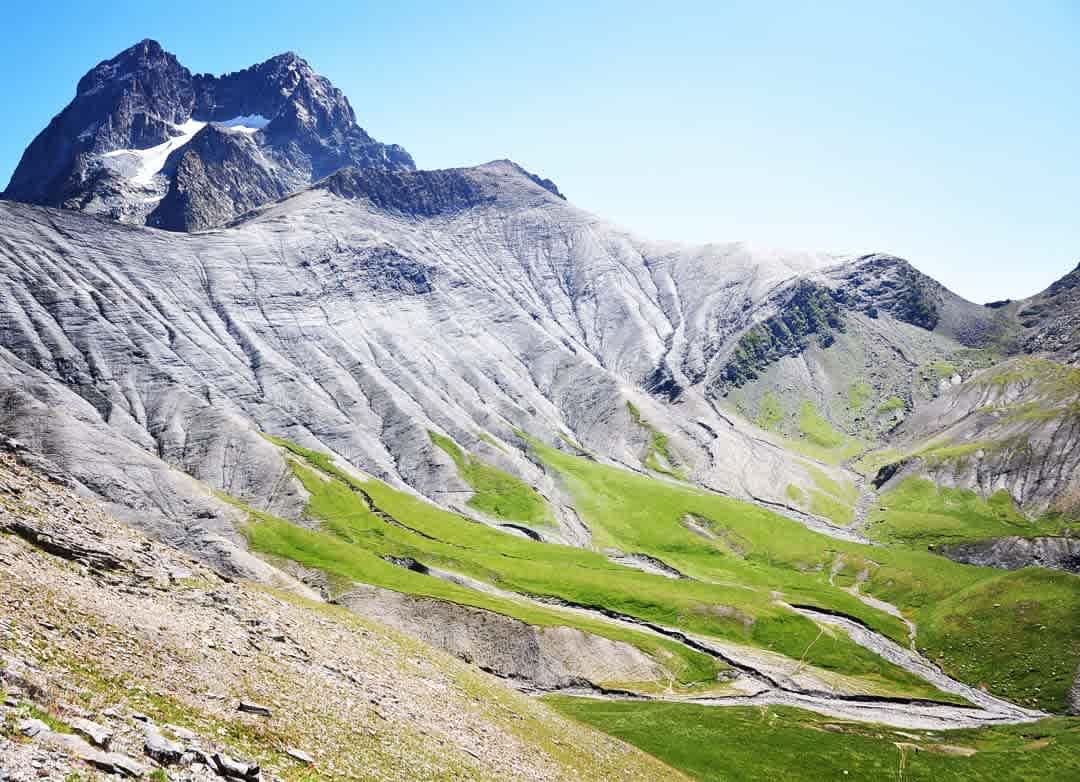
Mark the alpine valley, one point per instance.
(317, 465)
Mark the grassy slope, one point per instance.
(810, 432)
(1016, 633)
(357, 562)
(917, 512)
(497, 493)
(767, 552)
(754, 555)
(737, 606)
(831, 499)
(731, 744)
(658, 456)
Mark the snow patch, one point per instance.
(140, 166)
(249, 123)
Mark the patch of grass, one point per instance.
(635, 514)
(869, 463)
(28, 710)
(819, 440)
(658, 456)
(845, 492)
(941, 453)
(352, 560)
(354, 539)
(827, 506)
(815, 428)
(487, 438)
(1015, 633)
(1011, 632)
(745, 744)
(943, 369)
(497, 493)
(770, 413)
(831, 499)
(859, 393)
(774, 554)
(891, 405)
(918, 512)
(795, 494)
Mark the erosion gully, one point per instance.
(766, 684)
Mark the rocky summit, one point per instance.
(361, 471)
(145, 141)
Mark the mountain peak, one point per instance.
(146, 55)
(130, 144)
(286, 58)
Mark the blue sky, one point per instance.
(946, 135)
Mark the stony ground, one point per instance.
(121, 656)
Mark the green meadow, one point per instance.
(746, 560)
(745, 744)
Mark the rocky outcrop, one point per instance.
(411, 193)
(880, 283)
(146, 141)
(1014, 427)
(535, 657)
(1014, 553)
(213, 178)
(809, 312)
(1051, 320)
(814, 311)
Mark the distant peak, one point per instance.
(547, 184)
(288, 60)
(289, 56)
(147, 48)
(147, 45)
(145, 55)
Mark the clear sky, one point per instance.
(947, 135)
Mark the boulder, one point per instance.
(98, 735)
(300, 755)
(156, 746)
(32, 728)
(235, 769)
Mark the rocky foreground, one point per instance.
(123, 658)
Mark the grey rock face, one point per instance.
(1051, 320)
(1014, 553)
(545, 658)
(465, 301)
(359, 314)
(145, 141)
(214, 178)
(1020, 416)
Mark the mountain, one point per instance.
(145, 141)
(457, 404)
